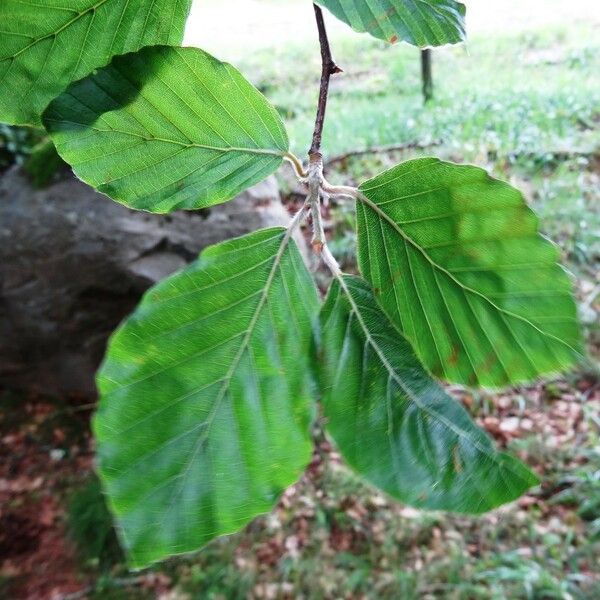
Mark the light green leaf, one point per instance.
(419, 22)
(167, 128)
(456, 261)
(395, 425)
(205, 398)
(45, 45)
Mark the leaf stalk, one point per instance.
(296, 164)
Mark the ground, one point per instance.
(523, 101)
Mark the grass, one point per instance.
(90, 526)
(332, 536)
(519, 97)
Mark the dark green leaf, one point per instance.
(395, 425)
(418, 22)
(456, 261)
(167, 128)
(47, 44)
(206, 402)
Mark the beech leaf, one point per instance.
(205, 397)
(167, 128)
(456, 260)
(395, 425)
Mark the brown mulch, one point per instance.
(39, 460)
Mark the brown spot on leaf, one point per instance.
(453, 359)
(458, 467)
(393, 39)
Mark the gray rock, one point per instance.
(73, 264)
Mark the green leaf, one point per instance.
(205, 397)
(419, 22)
(47, 44)
(167, 128)
(395, 425)
(456, 261)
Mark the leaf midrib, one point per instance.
(461, 433)
(392, 371)
(235, 363)
(149, 138)
(227, 378)
(414, 24)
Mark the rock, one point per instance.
(73, 264)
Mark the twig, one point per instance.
(315, 166)
(329, 68)
(383, 150)
(75, 409)
(330, 262)
(77, 595)
(589, 301)
(559, 155)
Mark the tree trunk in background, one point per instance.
(427, 74)
(73, 264)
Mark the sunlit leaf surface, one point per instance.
(205, 398)
(167, 128)
(46, 44)
(456, 261)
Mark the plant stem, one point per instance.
(339, 191)
(315, 178)
(315, 165)
(330, 262)
(297, 219)
(329, 68)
